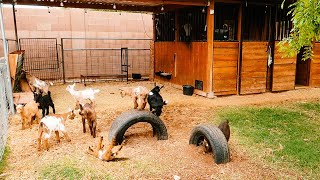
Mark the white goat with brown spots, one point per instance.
(54, 123)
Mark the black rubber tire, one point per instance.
(216, 140)
(129, 118)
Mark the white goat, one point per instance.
(82, 95)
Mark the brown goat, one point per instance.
(225, 128)
(36, 84)
(87, 112)
(54, 123)
(27, 113)
(139, 95)
(108, 154)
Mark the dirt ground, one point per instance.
(143, 157)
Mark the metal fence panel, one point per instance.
(42, 57)
(4, 109)
(100, 56)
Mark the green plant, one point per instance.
(3, 162)
(306, 28)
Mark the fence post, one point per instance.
(5, 52)
(63, 71)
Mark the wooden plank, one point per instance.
(224, 93)
(315, 67)
(284, 72)
(254, 67)
(22, 98)
(225, 59)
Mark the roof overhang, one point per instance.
(122, 5)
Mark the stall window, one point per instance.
(283, 23)
(257, 23)
(193, 24)
(165, 26)
(226, 21)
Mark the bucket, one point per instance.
(136, 76)
(188, 90)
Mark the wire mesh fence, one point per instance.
(102, 57)
(4, 107)
(42, 57)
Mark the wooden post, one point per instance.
(210, 39)
(152, 49)
(239, 37)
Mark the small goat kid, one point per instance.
(27, 113)
(82, 95)
(108, 154)
(138, 94)
(87, 112)
(155, 101)
(44, 102)
(36, 84)
(54, 123)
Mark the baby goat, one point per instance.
(44, 102)
(105, 155)
(54, 123)
(138, 94)
(155, 101)
(225, 128)
(27, 113)
(82, 95)
(87, 112)
(36, 84)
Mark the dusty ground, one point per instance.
(143, 157)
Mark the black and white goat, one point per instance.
(155, 101)
(44, 102)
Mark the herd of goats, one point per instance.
(85, 105)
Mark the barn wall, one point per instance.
(284, 71)
(225, 65)
(254, 67)
(186, 62)
(315, 67)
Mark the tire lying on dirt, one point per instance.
(129, 118)
(215, 139)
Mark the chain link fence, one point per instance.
(4, 106)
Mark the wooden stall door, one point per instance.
(315, 67)
(253, 67)
(225, 63)
(284, 72)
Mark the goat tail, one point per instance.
(49, 93)
(165, 102)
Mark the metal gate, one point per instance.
(124, 62)
(42, 57)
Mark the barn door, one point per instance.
(284, 72)
(42, 58)
(253, 67)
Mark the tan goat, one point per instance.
(27, 113)
(139, 95)
(105, 155)
(54, 123)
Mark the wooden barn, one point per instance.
(221, 47)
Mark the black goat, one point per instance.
(155, 101)
(44, 102)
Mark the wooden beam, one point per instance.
(210, 39)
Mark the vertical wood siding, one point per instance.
(225, 60)
(254, 67)
(284, 72)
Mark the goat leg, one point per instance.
(47, 110)
(94, 127)
(53, 109)
(57, 136)
(66, 135)
(84, 125)
(43, 111)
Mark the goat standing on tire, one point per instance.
(155, 101)
(87, 112)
